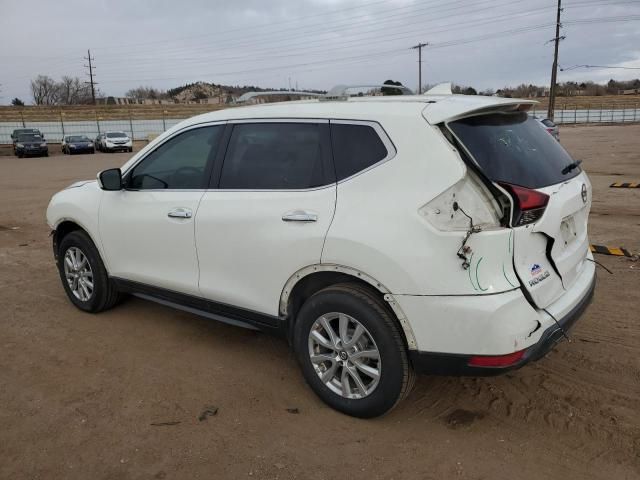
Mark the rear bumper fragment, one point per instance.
(431, 363)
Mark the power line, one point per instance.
(90, 67)
(419, 47)
(554, 68)
(598, 66)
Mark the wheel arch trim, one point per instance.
(358, 275)
(82, 227)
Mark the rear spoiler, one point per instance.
(454, 107)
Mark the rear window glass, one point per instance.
(513, 148)
(355, 148)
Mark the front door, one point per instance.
(147, 229)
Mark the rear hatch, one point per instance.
(549, 198)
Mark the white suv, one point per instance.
(116, 142)
(381, 236)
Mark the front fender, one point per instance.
(78, 204)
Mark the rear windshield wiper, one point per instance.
(571, 166)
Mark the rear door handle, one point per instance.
(300, 216)
(180, 213)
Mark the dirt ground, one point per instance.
(118, 395)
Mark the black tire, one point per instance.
(396, 375)
(104, 295)
(130, 149)
(93, 151)
(20, 155)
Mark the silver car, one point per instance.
(550, 127)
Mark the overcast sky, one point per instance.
(315, 43)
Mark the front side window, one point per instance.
(179, 163)
(355, 148)
(275, 156)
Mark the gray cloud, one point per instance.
(315, 43)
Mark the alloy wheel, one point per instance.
(344, 355)
(78, 273)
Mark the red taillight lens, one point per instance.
(550, 130)
(496, 360)
(529, 204)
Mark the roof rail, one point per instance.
(440, 89)
(339, 92)
(245, 97)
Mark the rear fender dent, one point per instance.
(357, 274)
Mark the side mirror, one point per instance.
(110, 180)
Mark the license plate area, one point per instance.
(568, 231)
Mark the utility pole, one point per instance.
(554, 69)
(90, 67)
(419, 48)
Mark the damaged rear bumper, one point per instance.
(459, 364)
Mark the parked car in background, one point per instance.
(77, 144)
(30, 144)
(98, 141)
(117, 142)
(23, 131)
(550, 127)
(381, 236)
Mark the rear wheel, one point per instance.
(351, 351)
(83, 274)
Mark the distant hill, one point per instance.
(193, 92)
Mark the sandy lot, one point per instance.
(81, 395)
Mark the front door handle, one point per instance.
(300, 216)
(180, 213)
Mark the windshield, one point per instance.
(116, 135)
(512, 148)
(29, 137)
(78, 138)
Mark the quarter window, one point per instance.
(179, 163)
(275, 156)
(355, 148)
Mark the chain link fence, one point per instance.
(566, 114)
(57, 125)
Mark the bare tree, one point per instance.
(44, 90)
(143, 93)
(72, 91)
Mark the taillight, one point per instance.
(550, 130)
(496, 360)
(529, 205)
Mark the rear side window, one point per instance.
(512, 148)
(355, 148)
(275, 156)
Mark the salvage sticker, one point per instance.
(538, 274)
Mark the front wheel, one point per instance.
(352, 352)
(83, 274)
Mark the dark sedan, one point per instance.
(30, 144)
(78, 144)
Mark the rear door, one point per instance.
(267, 212)
(551, 198)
